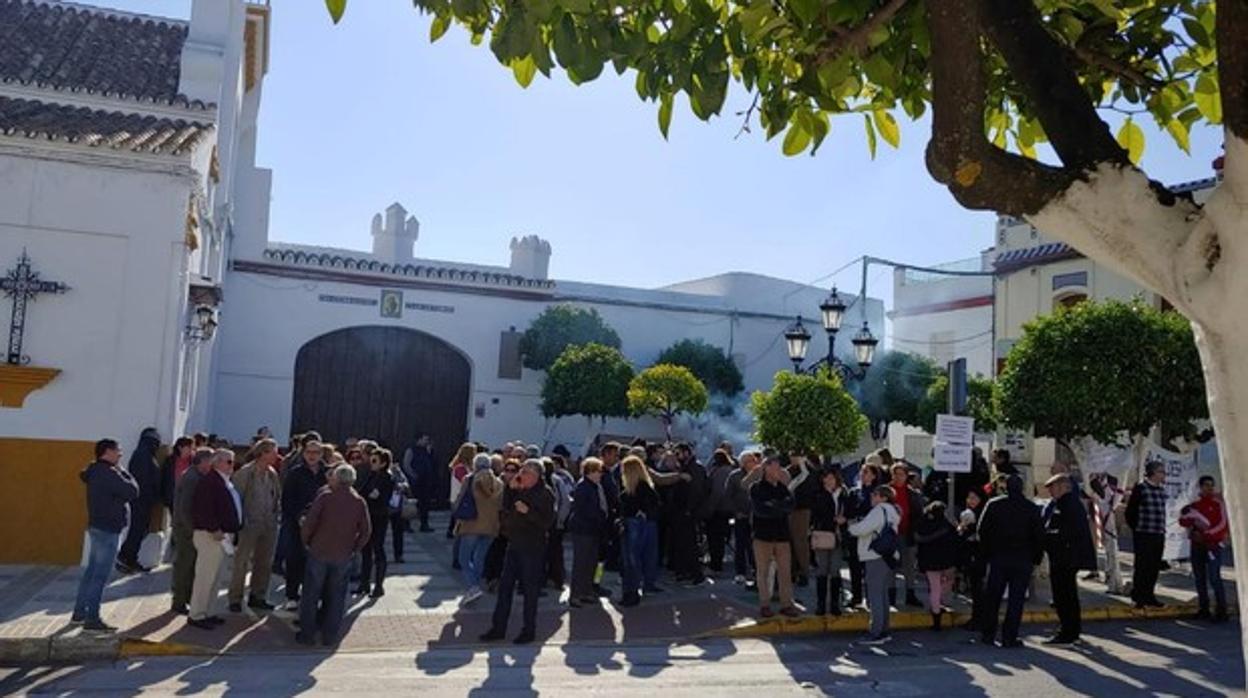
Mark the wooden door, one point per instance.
(385, 383)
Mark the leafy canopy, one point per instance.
(1100, 368)
(590, 380)
(665, 391)
(981, 403)
(709, 363)
(806, 60)
(559, 327)
(894, 388)
(807, 414)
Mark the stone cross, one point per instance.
(22, 285)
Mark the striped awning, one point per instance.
(1032, 256)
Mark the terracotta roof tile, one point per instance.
(99, 128)
(94, 50)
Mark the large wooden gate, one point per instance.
(384, 383)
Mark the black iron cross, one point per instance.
(22, 285)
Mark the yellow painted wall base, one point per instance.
(43, 509)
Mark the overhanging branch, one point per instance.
(1231, 31)
(1039, 63)
(854, 41)
(977, 173)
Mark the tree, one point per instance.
(559, 327)
(807, 414)
(1000, 76)
(894, 388)
(1097, 369)
(664, 391)
(709, 363)
(590, 380)
(981, 403)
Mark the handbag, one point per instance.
(824, 540)
(410, 509)
(396, 501)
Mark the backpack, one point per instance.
(886, 542)
(466, 508)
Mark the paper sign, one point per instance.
(953, 458)
(952, 430)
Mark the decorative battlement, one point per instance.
(327, 260)
(530, 257)
(395, 235)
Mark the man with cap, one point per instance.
(1010, 533)
(1068, 543)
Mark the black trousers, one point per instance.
(494, 557)
(556, 572)
(743, 546)
(1148, 549)
(718, 527)
(140, 521)
(1066, 599)
(686, 559)
(523, 567)
(1014, 575)
(374, 554)
(398, 527)
(296, 560)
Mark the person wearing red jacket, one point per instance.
(1206, 521)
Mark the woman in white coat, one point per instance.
(879, 575)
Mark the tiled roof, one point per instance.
(345, 262)
(93, 50)
(98, 128)
(1031, 256)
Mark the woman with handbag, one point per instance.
(875, 532)
(460, 468)
(476, 512)
(827, 518)
(376, 488)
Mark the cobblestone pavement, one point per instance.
(420, 609)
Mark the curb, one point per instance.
(74, 649)
(912, 620)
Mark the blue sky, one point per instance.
(369, 112)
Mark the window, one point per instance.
(509, 355)
(1069, 300)
(1078, 278)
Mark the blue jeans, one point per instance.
(1207, 569)
(641, 555)
(472, 550)
(324, 594)
(102, 549)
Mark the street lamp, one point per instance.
(832, 312)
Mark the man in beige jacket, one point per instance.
(261, 490)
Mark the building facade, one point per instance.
(945, 317)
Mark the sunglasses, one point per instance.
(511, 470)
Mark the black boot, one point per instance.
(834, 595)
(821, 595)
(936, 618)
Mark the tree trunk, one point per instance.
(1197, 258)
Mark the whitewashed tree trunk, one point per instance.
(1197, 258)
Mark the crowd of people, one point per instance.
(866, 532)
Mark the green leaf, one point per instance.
(806, 10)
(336, 9)
(1178, 130)
(796, 140)
(887, 126)
(524, 69)
(439, 26)
(820, 127)
(665, 114)
(866, 119)
(1208, 99)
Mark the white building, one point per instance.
(945, 317)
(127, 172)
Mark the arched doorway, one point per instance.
(385, 383)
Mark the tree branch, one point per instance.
(1081, 138)
(1231, 33)
(977, 173)
(1125, 71)
(854, 40)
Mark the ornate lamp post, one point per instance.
(832, 312)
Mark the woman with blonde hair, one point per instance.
(460, 467)
(639, 509)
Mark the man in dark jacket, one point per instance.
(183, 541)
(145, 470)
(738, 494)
(686, 526)
(109, 493)
(419, 468)
(299, 490)
(771, 502)
(1010, 535)
(1068, 543)
(216, 513)
(527, 514)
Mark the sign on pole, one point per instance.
(955, 437)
